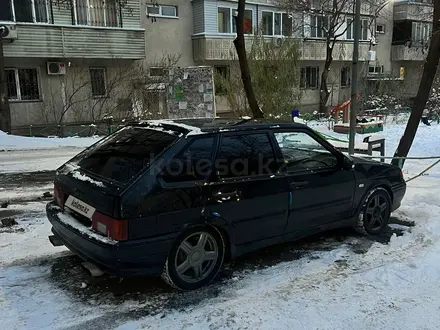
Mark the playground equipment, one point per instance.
(364, 122)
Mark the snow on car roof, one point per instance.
(194, 126)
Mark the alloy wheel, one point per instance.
(196, 257)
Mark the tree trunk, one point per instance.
(244, 65)
(324, 93)
(429, 72)
(5, 113)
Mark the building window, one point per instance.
(162, 11)
(24, 11)
(309, 77)
(421, 32)
(224, 20)
(276, 24)
(96, 12)
(248, 26)
(375, 69)
(349, 31)
(22, 84)
(319, 26)
(98, 82)
(158, 72)
(364, 29)
(345, 76)
(226, 23)
(380, 28)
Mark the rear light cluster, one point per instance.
(113, 228)
(58, 194)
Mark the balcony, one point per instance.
(413, 10)
(405, 53)
(51, 41)
(212, 48)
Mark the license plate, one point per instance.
(79, 206)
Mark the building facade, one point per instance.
(62, 56)
(83, 47)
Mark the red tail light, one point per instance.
(58, 194)
(113, 228)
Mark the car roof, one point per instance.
(194, 126)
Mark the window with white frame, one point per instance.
(226, 23)
(375, 69)
(162, 11)
(364, 29)
(24, 11)
(421, 32)
(276, 24)
(309, 77)
(349, 32)
(380, 28)
(22, 84)
(345, 76)
(319, 26)
(98, 82)
(96, 12)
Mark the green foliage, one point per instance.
(275, 77)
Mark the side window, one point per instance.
(245, 155)
(192, 164)
(302, 152)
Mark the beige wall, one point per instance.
(80, 104)
(169, 35)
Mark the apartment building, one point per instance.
(214, 31)
(50, 41)
(412, 29)
(63, 58)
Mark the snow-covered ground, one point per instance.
(329, 284)
(14, 142)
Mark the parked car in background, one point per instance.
(178, 198)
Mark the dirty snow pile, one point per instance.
(15, 142)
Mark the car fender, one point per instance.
(373, 185)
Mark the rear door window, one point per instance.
(244, 155)
(125, 154)
(191, 164)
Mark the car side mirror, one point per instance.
(347, 163)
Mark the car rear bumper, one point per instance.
(398, 194)
(130, 258)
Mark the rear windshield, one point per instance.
(125, 154)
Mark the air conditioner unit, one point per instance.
(56, 68)
(8, 32)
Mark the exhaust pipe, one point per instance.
(94, 270)
(55, 241)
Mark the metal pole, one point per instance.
(5, 115)
(354, 76)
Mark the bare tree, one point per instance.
(240, 46)
(275, 79)
(429, 72)
(329, 20)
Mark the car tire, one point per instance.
(375, 212)
(195, 258)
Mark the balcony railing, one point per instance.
(405, 53)
(215, 48)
